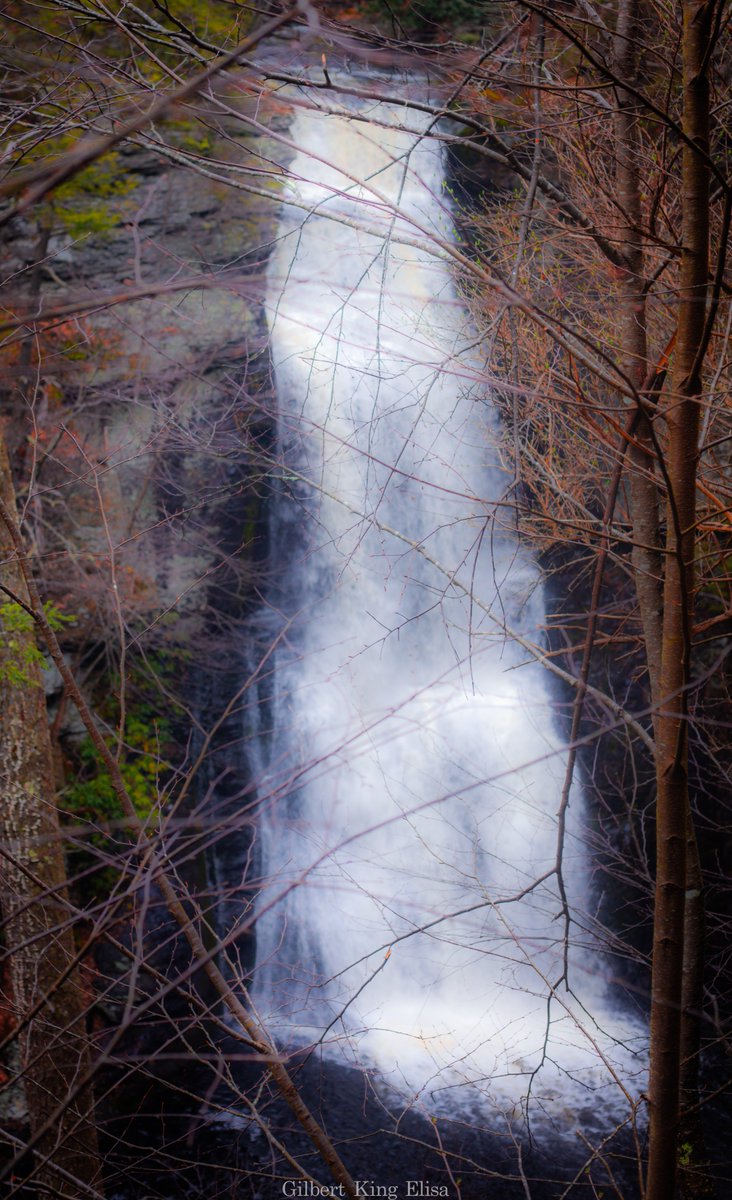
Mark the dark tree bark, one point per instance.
(672, 811)
(644, 493)
(694, 1177)
(47, 995)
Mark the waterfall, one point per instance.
(409, 919)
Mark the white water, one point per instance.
(416, 771)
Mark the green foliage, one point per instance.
(93, 798)
(18, 649)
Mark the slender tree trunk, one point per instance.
(695, 1182)
(644, 495)
(49, 1005)
(672, 809)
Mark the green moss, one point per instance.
(91, 202)
(217, 23)
(191, 135)
(88, 204)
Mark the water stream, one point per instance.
(410, 920)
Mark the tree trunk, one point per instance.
(49, 1007)
(672, 809)
(694, 1179)
(644, 495)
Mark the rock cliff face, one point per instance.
(139, 425)
(136, 423)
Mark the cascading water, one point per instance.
(410, 918)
